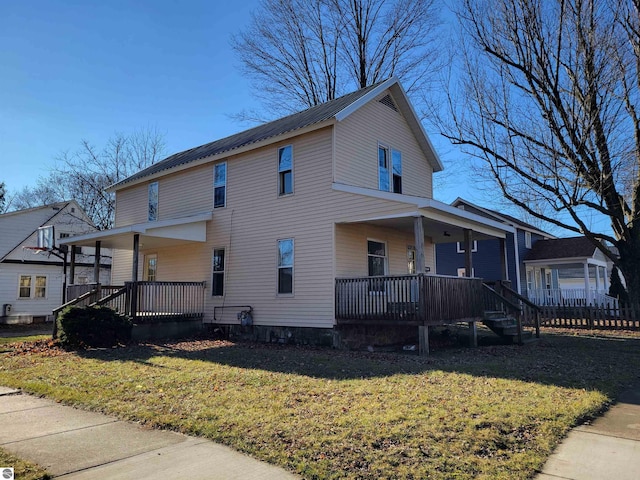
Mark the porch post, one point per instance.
(468, 254)
(504, 271)
(597, 279)
(606, 280)
(586, 283)
(72, 267)
(134, 276)
(418, 232)
(96, 264)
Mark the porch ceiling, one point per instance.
(439, 230)
(164, 233)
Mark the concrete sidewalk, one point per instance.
(609, 448)
(75, 444)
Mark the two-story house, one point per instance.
(273, 218)
(488, 257)
(32, 281)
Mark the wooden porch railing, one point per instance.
(408, 300)
(147, 302)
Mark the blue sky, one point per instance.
(83, 70)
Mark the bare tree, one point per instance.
(84, 174)
(300, 53)
(3, 196)
(550, 92)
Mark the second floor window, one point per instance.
(220, 185)
(527, 239)
(285, 170)
(389, 169)
(153, 202)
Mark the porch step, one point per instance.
(505, 326)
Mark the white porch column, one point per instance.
(418, 231)
(597, 278)
(606, 280)
(587, 286)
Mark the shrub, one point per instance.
(80, 327)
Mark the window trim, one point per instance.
(411, 259)
(157, 201)
(463, 270)
(224, 185)
(460, 249)
(387, 149)
(218, 272)
(527, 239)
(280, 172)
(292, 267)
(33, 286)
(392, 184)
(145, 268)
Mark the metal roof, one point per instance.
(296, 121)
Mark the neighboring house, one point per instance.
(274, 217)
(567, 270)
(487, 253)
(31, 283)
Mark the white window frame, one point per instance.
(218, 272)
(283, 171)
(387, 149)
(33, 286)
(460, 247)
(151, 186)
(220, 184)
(461, 272)
(527, 239)
(392, 172)
(279, 266)
(145, 270)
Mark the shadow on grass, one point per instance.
(572, 361)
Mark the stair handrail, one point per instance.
(526, 301)
(508, 303)
(76, 300)
(121, 291)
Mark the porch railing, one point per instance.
(147, 302)
(499, 296)
(570, 297)
(408, 299)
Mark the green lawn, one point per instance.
(490, 412)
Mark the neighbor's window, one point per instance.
(462, 272)
(383, 168)
(527, 239)
(396, 158)
(41, 287)
(220, 185)
(153, 202)
(24, 286)
(285, 266)
(217, 280)
(460, 247)
(285, 170)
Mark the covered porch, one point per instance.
(143, 298)
(405, 291)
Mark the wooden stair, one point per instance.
(506, 327)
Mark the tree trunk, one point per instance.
(630, 264)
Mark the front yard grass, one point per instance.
(22, 469)
(490, 412)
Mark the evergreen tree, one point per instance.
(616, 288)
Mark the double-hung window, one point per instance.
(32, 286)
(527, 239)
(285, 170)
(285, 266)
(153, 202)
(217, 280)
(389, 169)
(220, 185)
(377, 264)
